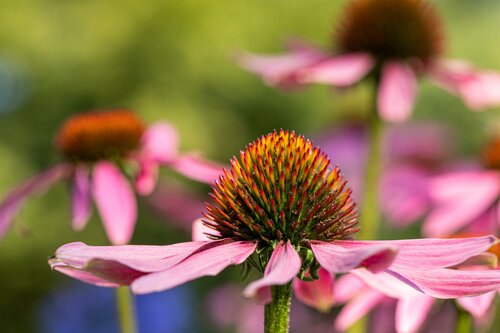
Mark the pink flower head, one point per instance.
(282, 205)
(103, 150)
(467, 200)
(392, 40)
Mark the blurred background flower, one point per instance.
(172, 61)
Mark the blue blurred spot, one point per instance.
(82, 308)
(13, 90)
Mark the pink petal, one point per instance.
(282, 267)
(196, 167)
(318, 293)
(428, 253)
(143, 258)
(460, 198)
(115, 202)
(412, 312)
(478, 89)
(160, 142)
(387, 284)
(450, 283)
(344, 256)
(342, 70)
(478, 306)
(357, 308)
(280, 69)
(397, 92)
(200, 231)
(347, 287)
(37, 184)
(405, 194)
(210, 259)
(146, 178)
(81, 205)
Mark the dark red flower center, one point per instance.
(391, 29)
(491, 155)
(282, 188)
(100, 135)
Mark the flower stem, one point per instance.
(277, 313)
(126, 313)
(370, 215)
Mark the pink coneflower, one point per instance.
(102, 151)
(282, 209)
(467, 200)
(393, 41)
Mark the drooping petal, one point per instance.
(397, 92)
(147, 176)
(357, 308)
(428, 253)
(143, 258)
(81, 204)
(280, 69)
(478, 306)
(160, 142)
(318, 293)
(196, 167)
(387, 284)
(344, 256)
(115, 202)
(282, 267)
(341, 71)
(37, 184)
(208, 260)
(450, 283)
(478, 89)
(412, 312)
(460, 198)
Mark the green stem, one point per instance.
(277, 313)
(126, 313)
(464, 323)
(370, 215)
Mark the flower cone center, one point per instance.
(391, 29)
(100, 135)
(281, 188)
(491, 155)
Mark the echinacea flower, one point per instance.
(282, 203)
(466, 200)
(102, 150)
(392, 40)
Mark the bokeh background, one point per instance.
(170, 60)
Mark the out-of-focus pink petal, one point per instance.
(280, 69)
(460, 198)
(387, 284)
(146, 178)
(143, 258)
(196, 167)
(115, 202)
(405, 194)
(397, 92)
(344, 256)
(444, 321)
(478, 89)
(428, 253)
(412, 312)
(478, 306)
(160, 142)
(347, 286)
(318, 293)
(200, 231)
(450, 283)
(81, 204)
(282, 267)
(357, 308)
(341, 71)
(37, 184)
(210, 259)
